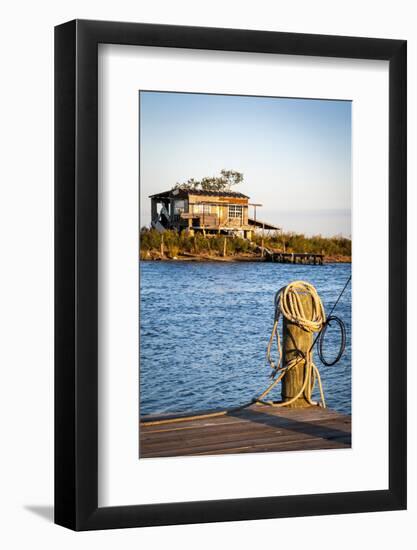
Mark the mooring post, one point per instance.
(224, 246)
(162, 245)
(294, 339)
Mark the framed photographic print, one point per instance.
(230, 275)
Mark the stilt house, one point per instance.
(209, 212)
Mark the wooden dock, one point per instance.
(259, 428)
(296, 258)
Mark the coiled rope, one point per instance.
(288, 305)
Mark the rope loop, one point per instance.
(320, 341)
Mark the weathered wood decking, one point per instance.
(259, 428)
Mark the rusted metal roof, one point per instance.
(262, 224)
(185, 192)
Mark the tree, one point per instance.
(224, 182)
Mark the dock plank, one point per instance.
(258, 428)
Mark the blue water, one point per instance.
(204, 329)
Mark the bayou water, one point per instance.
(205, 326)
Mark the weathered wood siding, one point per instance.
(220, 208)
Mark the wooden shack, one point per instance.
(208, 212)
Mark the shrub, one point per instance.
(176, 243)
(149, 239)
(173, 250)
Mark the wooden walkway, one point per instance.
(259, 428)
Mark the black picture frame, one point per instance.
(76, 273)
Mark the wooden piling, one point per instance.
(294, 339)
(162, 245)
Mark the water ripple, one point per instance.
(204, 328)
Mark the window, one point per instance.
(202, 209)
(235, 211)
(180, 206)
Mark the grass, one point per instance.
(173, 244)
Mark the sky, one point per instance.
(295, 154)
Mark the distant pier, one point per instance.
(295, 258)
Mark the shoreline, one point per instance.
(188, 257)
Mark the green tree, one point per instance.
(224, 182)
